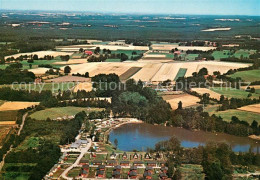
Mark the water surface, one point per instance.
(142, 136)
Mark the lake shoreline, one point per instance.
(133, 136)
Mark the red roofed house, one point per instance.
(89, 53)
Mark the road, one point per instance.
(21, 127)
(83, 151)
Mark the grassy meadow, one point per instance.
(54, 113)
(250, 76)
(233, 93)
(242, 115)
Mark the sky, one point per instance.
(210, 7)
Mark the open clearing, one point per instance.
(251, 108)
(202, 91)
(250, 76)
(15, 105)
(60, 112)
(186, 99)
(86, 86)
(41, 54)
(232, 92)
(242, 115)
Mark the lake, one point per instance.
(141, 136)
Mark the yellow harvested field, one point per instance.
(104, 67)
(39, 71)
(5, 123)
(41, 54)
(16, 105)
(186, 99)
(75, 48)
(87, 86)
(205, 90)
(167, 71)
(154, 70)
(251, 108)
(72, 61)
(147, 72)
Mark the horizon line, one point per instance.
(128, 13)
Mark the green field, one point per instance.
(231, 92)
(54, 87)
(191, 57)
(113, 60)
(242, 115)
(221, 54)
(250, 76)
(54, 113)
(244, 53)
(181, 73)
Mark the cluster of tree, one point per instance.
(196, 80)
(14, 73)
(86, 75)
(140, 102)
(138, 42)
(191, 119)
(234, 103)
(46, 155)
(89, 102)
(216, 159)
(65, 58)
(52, 72)
(6, 93)
(45, 66)
(29, 58)
(234, 59)
(104, 57)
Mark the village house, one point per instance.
(124, 155)
(117, 168)
(100, 174)
(113, 155)
(135, 156)
(111, 162)
(101, 167)
(124, 163)
(149, 168)
(132, 174)
(116, 174)
(138, 163)
(162, 163)
(147, 175)
(164, 169)
(133, 168)
(163, 176)
(83, 173)
(152, 163)
(97, 162)
(147, 156)
(83, 162)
